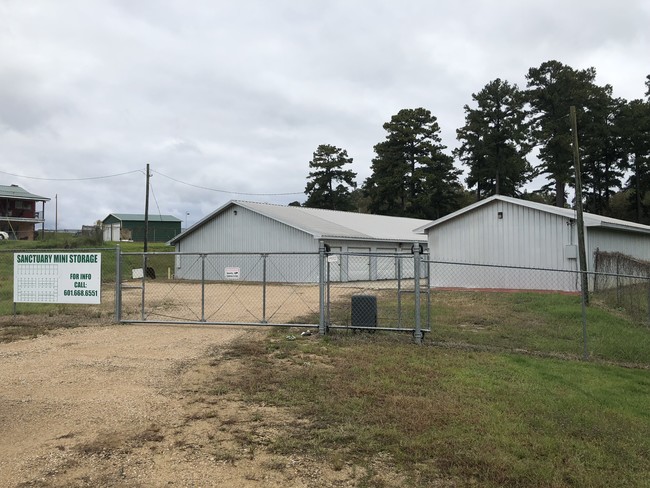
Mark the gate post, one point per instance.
(144, 277)
(118, 284)
(264, 256)
(399, 291)
(203, 256)
(417, 334)
(321, 288)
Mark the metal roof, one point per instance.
(140, 217)
(18, 193)
(329, 224)
(591, 220)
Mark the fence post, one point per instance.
(618, 281)
(427, 276)
(647, 284)
(203, 256)
(321, 288)
(118, 284)
(417, 335)
(264, 288)
(328, 301)
(583, 301)
(144, 276)
(399, 291)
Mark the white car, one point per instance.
(3, 235)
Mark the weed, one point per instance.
(455, 417)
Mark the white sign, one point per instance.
(333, 258)
(231, 273)
(57, 277)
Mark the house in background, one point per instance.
(130, 227)
(20, 212)
(482, 245)
(363, 245)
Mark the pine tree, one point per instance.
(602, 154)
(411, 176)
(328, 184)
(495, 141)
(633, 125)
(552, 89)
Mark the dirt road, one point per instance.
(123, 405)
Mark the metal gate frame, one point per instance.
(324, 324)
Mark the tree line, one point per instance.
(413, 176)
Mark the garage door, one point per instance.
(359, 264)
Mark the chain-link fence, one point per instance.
(541, 311)
(452, 304)
(223, 288)
(397, 299)
(325, 289)
(622, 282)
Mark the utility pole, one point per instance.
(146, 213)
(581, 223)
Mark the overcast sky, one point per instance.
(237, 95)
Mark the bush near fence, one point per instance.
(623, 282)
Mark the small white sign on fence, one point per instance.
(57, 277)
(232, 273)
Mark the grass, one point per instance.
(548, 323)
(457, 416)
(538, 322)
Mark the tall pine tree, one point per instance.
(411, 176)
(495, 141)
(552, 89)
(329, 183)
(633, 126)
(602, 154)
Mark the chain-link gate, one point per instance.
(359, 291)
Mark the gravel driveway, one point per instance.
(70, 401)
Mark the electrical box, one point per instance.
(364, 311)
(571, 251)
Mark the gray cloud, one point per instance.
(236, 96)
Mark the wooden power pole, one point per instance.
(146, 213)
(582, 253)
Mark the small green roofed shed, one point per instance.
(130, 227)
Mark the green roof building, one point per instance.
(130, 227)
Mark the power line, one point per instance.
(226, 191)
(161, 174)
(72, 179)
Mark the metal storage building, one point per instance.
(506, 231)
(251, 227)
(130, 227)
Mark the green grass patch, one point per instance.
(469, 418)
(540, 322)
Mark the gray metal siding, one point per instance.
(523, 237)
(247, 231)
(632, 244)
(250, 232)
